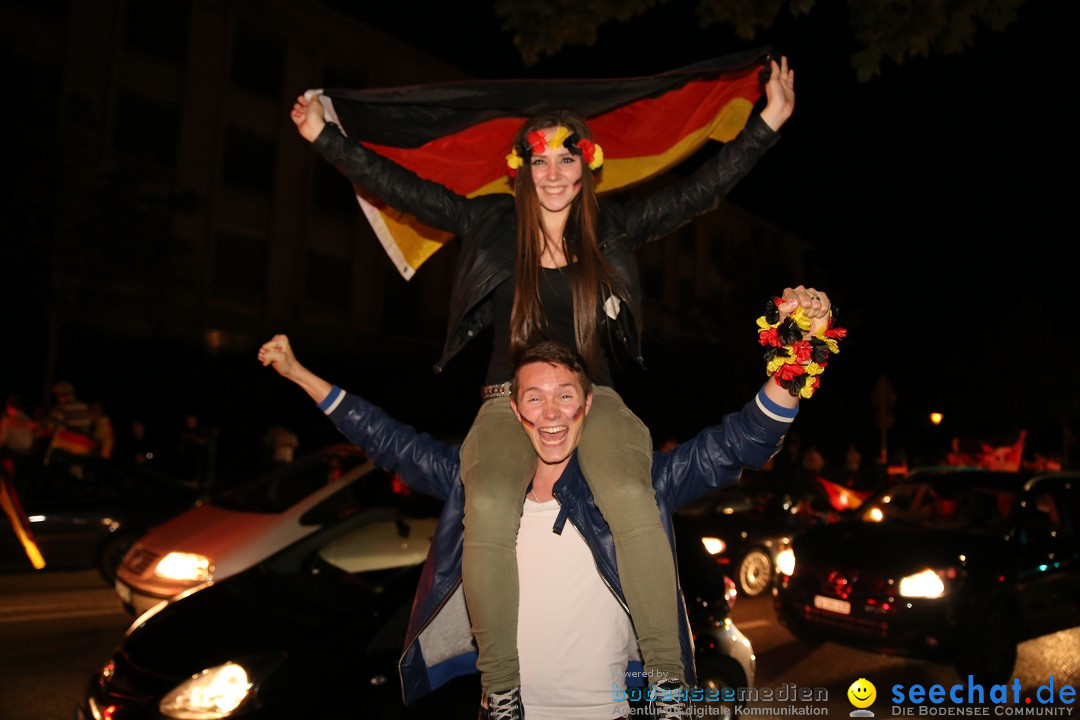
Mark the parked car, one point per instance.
(225, 535)
(85, 512)
(952, 565)
(316, 632)
(743, 529)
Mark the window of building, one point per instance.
(687, 296)
(718, 249)
(239, 266)
(329, 279)
(258, 59)
(248, 160)
(650, 281)
(341, 76)
(159, 27)
(331, 191)
(145, 128)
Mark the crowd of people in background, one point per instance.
(186, 450)
(31, 436)
(76, 427)
(68, 424)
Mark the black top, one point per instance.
(557, 306)
(487, 228)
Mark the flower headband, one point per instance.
(536, 141)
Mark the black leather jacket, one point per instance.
(486, 224)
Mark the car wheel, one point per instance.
(988, 645)
(715, 673)
(755, 572)
(110, 555)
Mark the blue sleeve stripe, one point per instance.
(331, 401)
(774, 411)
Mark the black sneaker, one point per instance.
(669, 700)
(501, 705)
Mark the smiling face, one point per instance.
(556, 173)
(862, 693)
(551, 405)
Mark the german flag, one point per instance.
(458, 134)
(9, 503)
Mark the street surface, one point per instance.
(57, 628)
(783, 659)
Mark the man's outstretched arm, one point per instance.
(425, 464)
(748, 438)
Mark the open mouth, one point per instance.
(553, 436)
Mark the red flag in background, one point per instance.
(842, 498)
(1003, 457)
(458, 134)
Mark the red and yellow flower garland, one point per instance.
(795, 362)
(536, 141)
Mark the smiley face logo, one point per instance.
(862, 693)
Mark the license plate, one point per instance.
(123, 591)
(842, 607)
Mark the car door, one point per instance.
(1051, 569)
(66, 511)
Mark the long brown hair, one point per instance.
(591, 278)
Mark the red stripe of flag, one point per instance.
(469, 160)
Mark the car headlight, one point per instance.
(713, 545)
(220, 691)
(785, 561)
(190, 567)
(925, 584)
(213, 693)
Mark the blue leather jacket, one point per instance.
(438, 642)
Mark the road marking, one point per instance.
(58, 614)
(753, 624)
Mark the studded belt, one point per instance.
(495, 391)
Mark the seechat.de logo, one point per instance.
(1052, 699)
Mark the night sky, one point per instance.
(938, 197)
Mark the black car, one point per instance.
(316, 631)
(85, 512)
(743, 529)
(953, 565)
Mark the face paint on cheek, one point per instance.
(528, 425)
(579, 414)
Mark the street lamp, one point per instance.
(936, 418)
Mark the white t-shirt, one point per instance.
(574, 637)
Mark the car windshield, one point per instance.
(946, 504)
(282, 488)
